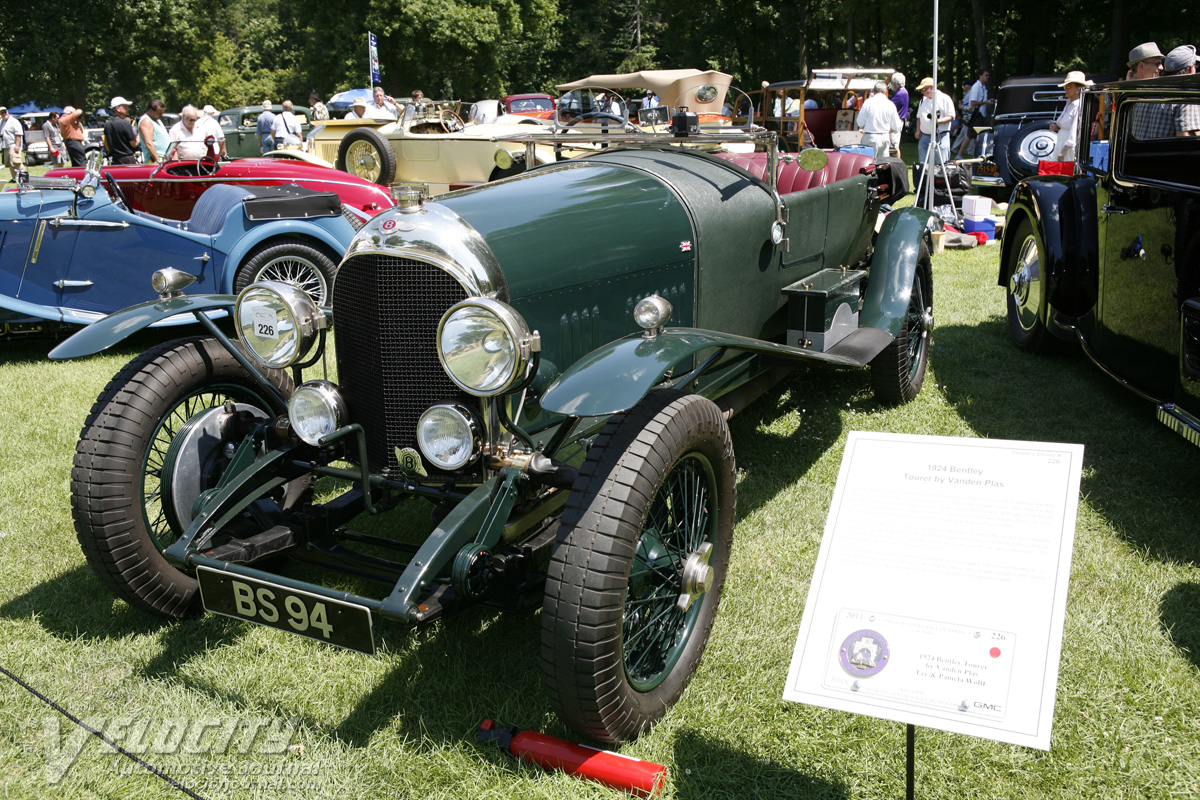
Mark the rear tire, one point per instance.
(654, 500)
(117, 479)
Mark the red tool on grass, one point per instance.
(628, 774)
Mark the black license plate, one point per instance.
(985, 170)
(335, 622)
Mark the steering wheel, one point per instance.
(116, 191)
(452, 122)
(207, 164)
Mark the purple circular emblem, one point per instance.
(864, 653)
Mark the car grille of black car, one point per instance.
(386, 314)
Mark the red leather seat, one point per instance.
(793, 179)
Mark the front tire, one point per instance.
(653, 502)
(1026, 300)
(117, 479)
(289, 261)
(366, 153)
(898, 372)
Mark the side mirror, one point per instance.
(813, 159)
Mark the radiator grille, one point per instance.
(386, 313)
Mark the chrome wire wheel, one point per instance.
(668, 573)
(299, 271)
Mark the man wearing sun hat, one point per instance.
(1145, 61)
(1067, 124)
(119, 136)
(933, 104)
(360, 109)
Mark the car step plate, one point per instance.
(327, 620)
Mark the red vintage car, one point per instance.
(529, 105)
(171, 189)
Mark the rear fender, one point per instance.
(894, 266)
(116, 327)
(312, 231)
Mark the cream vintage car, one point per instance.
(430, 145)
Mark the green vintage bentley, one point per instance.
(542, 368)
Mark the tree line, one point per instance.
(240, 52)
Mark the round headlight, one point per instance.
(484, 346)
(315, 410)
(277, 322)
(448, 436)
(503, 159)
(651, 312)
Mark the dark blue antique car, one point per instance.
(1110, 257)
(72, 251)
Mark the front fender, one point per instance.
(1062, 211)
(106, 332)
(893, 268)
(616, 376)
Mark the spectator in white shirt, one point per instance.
(359, 111)
(878, 120)
(382, 106)
(287, 128)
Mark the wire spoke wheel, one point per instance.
(124, 462)
(300, 272)
(637, 570)
(158, 524)
(681, 518)
(898, 372)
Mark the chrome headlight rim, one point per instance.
(519, 337)
(329, 399)
(304, 315)
(470, 423)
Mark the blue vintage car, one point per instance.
(72, 251)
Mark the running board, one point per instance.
(1180, 421)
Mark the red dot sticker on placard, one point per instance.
(994, 652)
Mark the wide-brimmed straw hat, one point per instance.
(1077, 76)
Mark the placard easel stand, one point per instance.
(909, 762)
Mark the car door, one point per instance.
(118, 252)
(35, 252)
(1147, 219)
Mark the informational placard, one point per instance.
(941, 585)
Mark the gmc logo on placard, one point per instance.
(988, 706)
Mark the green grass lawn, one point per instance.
(401, 724)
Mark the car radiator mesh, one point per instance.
(386, 314)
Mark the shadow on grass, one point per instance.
(1139, 475)
(1179, 614)
(35, 348)
(706, 770)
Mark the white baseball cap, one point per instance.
(119, 101)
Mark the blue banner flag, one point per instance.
(373, 56)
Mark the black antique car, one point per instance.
(1110, 257)
(532, 384)
(1021, 135)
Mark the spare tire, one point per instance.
(366, 153)
(1032, 142)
